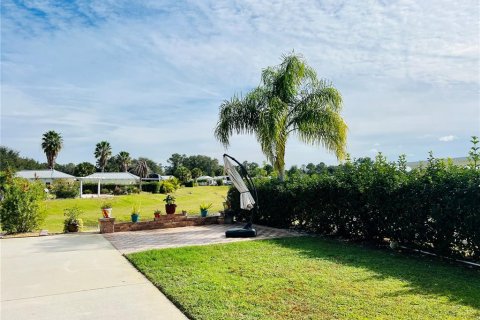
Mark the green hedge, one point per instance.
(110, 188)
(436, 208)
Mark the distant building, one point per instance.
(462, 162)
(226, 179)
(120, 178)
(156, 177)
(46, 176)
(206, 181)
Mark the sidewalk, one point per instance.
(77, 276)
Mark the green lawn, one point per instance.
(309, 278)
(188, 199)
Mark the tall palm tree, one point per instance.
(141, 169)
(290, 100)
(124, 160)
(103, 151)
(52, 143)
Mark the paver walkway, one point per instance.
(75, 277)
(128, 242)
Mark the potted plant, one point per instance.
(106, 209)
(72, 222)
(170, 204)
(157, 213)
(135, 213)
(204, 209)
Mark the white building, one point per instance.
(46, 176)
(120, 178)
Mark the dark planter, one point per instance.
(72, 227)
(170, 208)
(204, 213)
(135, 217)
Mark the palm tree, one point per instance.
(52, 143)
(141, 169)
(124, 160)
(103, 151)
(290, 100)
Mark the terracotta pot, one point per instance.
(107, 213)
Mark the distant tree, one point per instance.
(68, 168)
(294, 170)
(152, 165)
(183, 174)
(10, 158)
(175, 161)
(52, 143)
(208, 165)
(84, 169)
(310, 169)
(141, 169)
(103, 151)
(196, 172)
(290, 100)
(124, 160)
(268, 167)
(112, 165)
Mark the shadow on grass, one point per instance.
(425, 275)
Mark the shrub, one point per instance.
(65, 189)
(434, 208)
(20, 207)
(191, 184)
(167, 187)
(219, 182)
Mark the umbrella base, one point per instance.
(240, 233)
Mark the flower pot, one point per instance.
(204, 213)
(72, 227)
(107, 212)
(135, 217)
(170, 208)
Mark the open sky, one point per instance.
(149, 76)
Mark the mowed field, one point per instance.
(188, 199)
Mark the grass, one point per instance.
(309, 278)
(188, 199)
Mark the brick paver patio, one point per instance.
(128, 242)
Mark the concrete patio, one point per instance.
(75, 276)
(128, 242)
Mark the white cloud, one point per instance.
(447, 138)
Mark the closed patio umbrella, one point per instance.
(246, 199)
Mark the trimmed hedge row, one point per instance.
(436, 208)
(110, 188)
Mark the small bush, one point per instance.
(191, 184)
(65, 189)
(20, 207)
(219, 182)
(167, 187)
(105, 191)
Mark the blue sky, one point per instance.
(149, 76)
